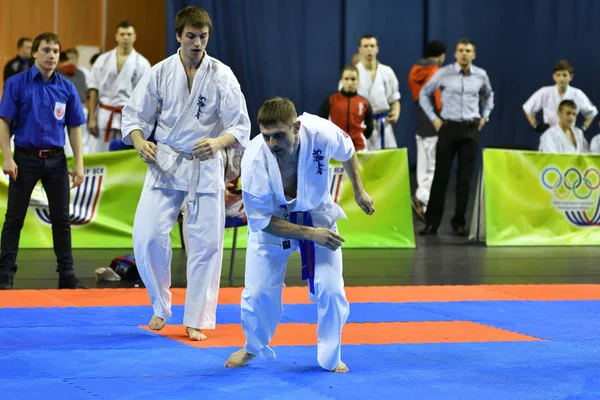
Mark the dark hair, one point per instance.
(434, 48)
(563, 65)
(350, 68)
(94, 58)
(63, 57)
(567, 103)
(22, 41)
(72, 50)
(125, 24)
(275, 111)
(194, 17)
(47, 37)
(365, 37)
(465, 41)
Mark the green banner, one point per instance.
(540, 199)
(385, 177)
(103, 207)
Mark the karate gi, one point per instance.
(267, 255)
(114, 89)
(234, 209)
(380, 93)
(595, 145)
(214, 107)
(548, 99)
(554, 140)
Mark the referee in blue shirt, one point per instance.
(39, 103)
(467, 102)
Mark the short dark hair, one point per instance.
(568, 104)
(125, 24)
(72, 50)
(465, 41)
(434, 48)
(365, 37)
(22, 41)
(350, 68)
(63, 57)
(194, 17)
(94, 58)
(47, 37)
(563, 65)
(275, 111)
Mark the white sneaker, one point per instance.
(107, 274)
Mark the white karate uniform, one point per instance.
(554, 140)
(114, 89)
(267, 255)
(235, 208)
(426, 149)
(214, 107)
(595, 145)
(548, 99)
(380, 93)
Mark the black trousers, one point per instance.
(460, 138)
(54, 174)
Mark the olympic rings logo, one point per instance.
(572, 180)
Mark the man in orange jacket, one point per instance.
(433, 57)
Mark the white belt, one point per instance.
(193, 183)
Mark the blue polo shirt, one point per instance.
(40, 110)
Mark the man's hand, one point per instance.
(206, 148)
(437, 124)
(146, 150)
(9, 167)
(365, 202)
(482, 122)
(230, 197)
(326, 237)
(77, 175)
(93, 126)
(392, 117)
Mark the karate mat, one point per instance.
(444, 342)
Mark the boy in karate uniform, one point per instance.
(202, 111)
(564, 138)
(289, 208)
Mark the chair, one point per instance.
(230, 222)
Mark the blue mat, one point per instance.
(100, 353)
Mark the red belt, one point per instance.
(113, 110)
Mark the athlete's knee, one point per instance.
(260, 295)
(331, 290)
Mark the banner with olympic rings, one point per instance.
(541, 199)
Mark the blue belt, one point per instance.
(381, 118)
(307, 252)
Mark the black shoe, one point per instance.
(70, 282)
(459, 230)
(6, 282)
(428, 230)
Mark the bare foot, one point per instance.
(195, 334)
(239, 359)
(156, 323)
(341, 368)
